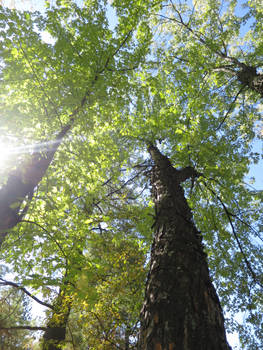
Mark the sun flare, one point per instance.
(5, 151)
(11, 151)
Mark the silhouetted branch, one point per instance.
(15, 285)
(29, 328)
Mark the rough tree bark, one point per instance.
(181, 309)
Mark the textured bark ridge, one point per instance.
(181, 309)
(21, 184)
(248, 76)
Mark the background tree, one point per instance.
(81, 40)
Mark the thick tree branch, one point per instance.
(162, 161)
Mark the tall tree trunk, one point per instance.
(181, 309)
(55, 335)
(22, 182)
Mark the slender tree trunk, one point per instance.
(127, 339)
(55, 335)
(181, 309)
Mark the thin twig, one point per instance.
(229, 215)
(230, 108)
(50, 236)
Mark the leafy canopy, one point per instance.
(165, 72)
